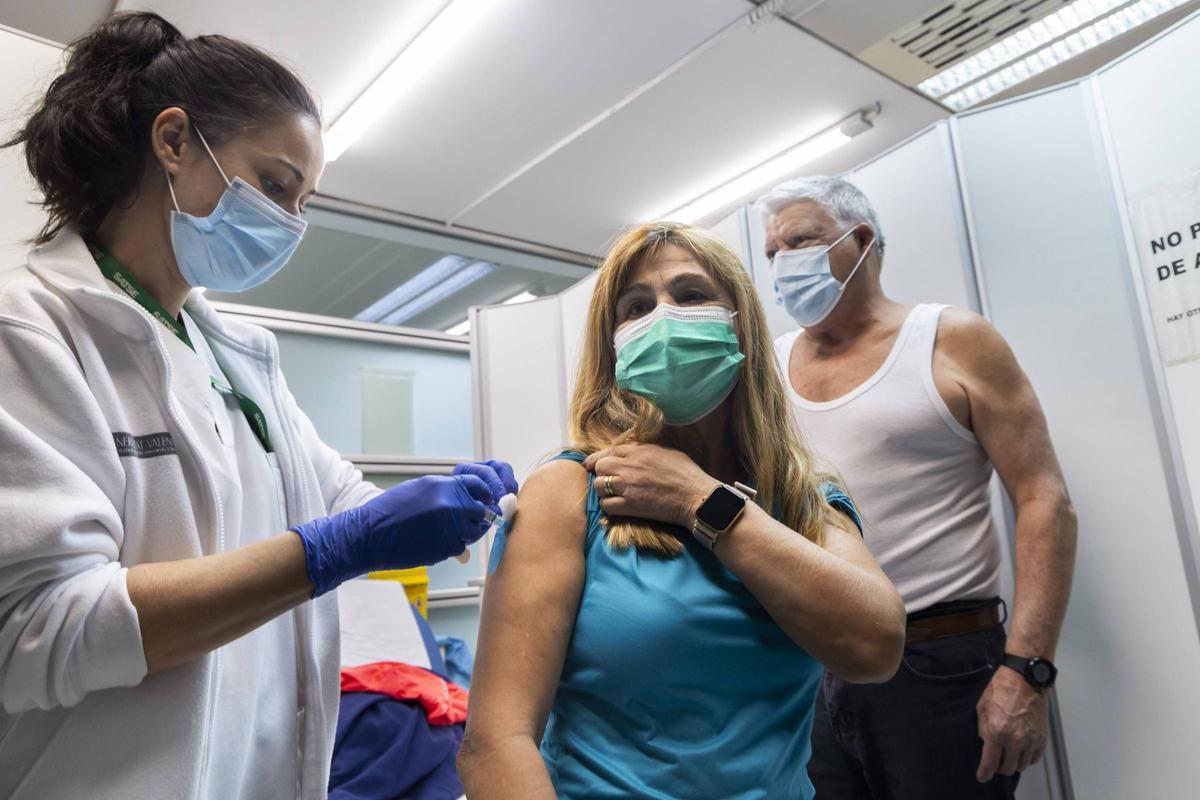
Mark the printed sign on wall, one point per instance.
(1166, 227)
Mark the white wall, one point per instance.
(26, 67)
(520, 371)
(573, 308)
(1052, 256)
(326, 376)
(1153, 137)
(914, 189)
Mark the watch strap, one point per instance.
(1025, 668)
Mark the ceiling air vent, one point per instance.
(964, 52)
(949, 32)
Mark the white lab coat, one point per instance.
(82, 367)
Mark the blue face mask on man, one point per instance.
(804, 282)
(244, 241)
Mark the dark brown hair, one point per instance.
(88, 141)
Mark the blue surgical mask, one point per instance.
(242, 243)
(805, 285)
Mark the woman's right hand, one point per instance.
(422, 521)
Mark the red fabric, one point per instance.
(444, 703)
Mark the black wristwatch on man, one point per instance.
(1038, 672)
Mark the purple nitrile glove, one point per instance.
(498, 475)
(419, 522)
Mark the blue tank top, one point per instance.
(677, 683)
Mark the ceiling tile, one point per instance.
(57, 20)
(338, 48)
(536, 71)
(746, 99)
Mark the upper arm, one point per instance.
(530, 603)
(1006, 416)
(67, 625)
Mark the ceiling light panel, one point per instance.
(412, 288)
(1018, 44)
(1064, 48)
(420, 58)
(760, 177)
(443, 290)
(965, 51)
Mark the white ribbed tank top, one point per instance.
(920, 479)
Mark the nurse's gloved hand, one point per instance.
(498, 475)
(422, 521)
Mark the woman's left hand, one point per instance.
(650, 482)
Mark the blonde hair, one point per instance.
(766, 438)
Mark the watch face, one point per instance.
(1041, 672)
(720, 509)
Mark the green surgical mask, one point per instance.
(684, 360)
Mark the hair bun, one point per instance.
(128, 39)
(87, 143)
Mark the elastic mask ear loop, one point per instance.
(204, 142)
(861, 258)
(171, 184)
(171, 187)
(838, 240)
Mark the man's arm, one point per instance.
(1007, 420)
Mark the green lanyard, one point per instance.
(113, 270)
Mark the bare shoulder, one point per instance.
(558, 481)
(972, 343)
(553, 500)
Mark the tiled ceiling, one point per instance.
(554, 122)
(511, 97)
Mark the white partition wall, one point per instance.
(914, 188)
(1153, 148)
(1051, 249)
(573, 308)
(519, 373)
(26, 66)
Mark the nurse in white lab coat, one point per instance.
(170, 524)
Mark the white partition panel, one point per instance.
(517, 358)
(914, 188)
(1153, 141)
(778, 321)
(731, 229)
(573, 306)
(1050, 249)
(26, 67)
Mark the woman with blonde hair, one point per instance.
(660, 610)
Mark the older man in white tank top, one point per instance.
(916, 405)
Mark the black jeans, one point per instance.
(915, 737)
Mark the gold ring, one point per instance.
(608, 487)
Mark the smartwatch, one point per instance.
(1037, 672)
(719, 511)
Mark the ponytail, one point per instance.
(88, 141)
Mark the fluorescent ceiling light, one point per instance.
(461, 329)
(412, 288)
(766, 173)
(523, 297)
(415, 62)
(455, 283)
(1051, 40)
